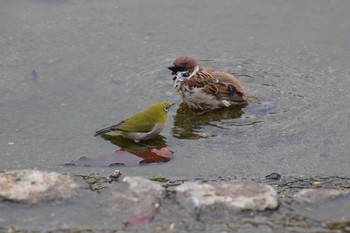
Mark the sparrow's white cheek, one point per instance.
(176, 86)
(176, 83)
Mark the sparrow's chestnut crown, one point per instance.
(183, 64)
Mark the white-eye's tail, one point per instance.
(103, 131)
(107, 130)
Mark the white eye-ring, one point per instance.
(168, 107)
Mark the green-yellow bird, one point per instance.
(142, 126)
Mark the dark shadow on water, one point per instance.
(188, 122)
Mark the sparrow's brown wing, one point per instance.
(218, 85)
(229, 79)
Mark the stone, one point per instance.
(273, 176)
(115, 175)
(143, 186)
(243, 195)
(323, 205)
(135, 195)
(317, 195)
(33, 186)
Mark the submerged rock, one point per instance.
(329, 206)
(33, 186)
(134, 196)
(242, 195)
(143, 186)
(317, 195)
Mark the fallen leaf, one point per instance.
(125, 158)
(140, 219)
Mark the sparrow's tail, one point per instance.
(252, 99)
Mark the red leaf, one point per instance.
(142, 218)
(125, 158)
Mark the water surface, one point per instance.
(68, 68)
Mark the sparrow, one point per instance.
(205, 88)
(142, 126)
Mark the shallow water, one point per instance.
(69, 68)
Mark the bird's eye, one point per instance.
(166, 108)
(186, 74)
(174, 77)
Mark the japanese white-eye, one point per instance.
(142, 126)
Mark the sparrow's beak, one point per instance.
(172, 68)
(175, 69)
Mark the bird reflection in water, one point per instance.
(130, 153)
(150, 151)
(188, 122)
